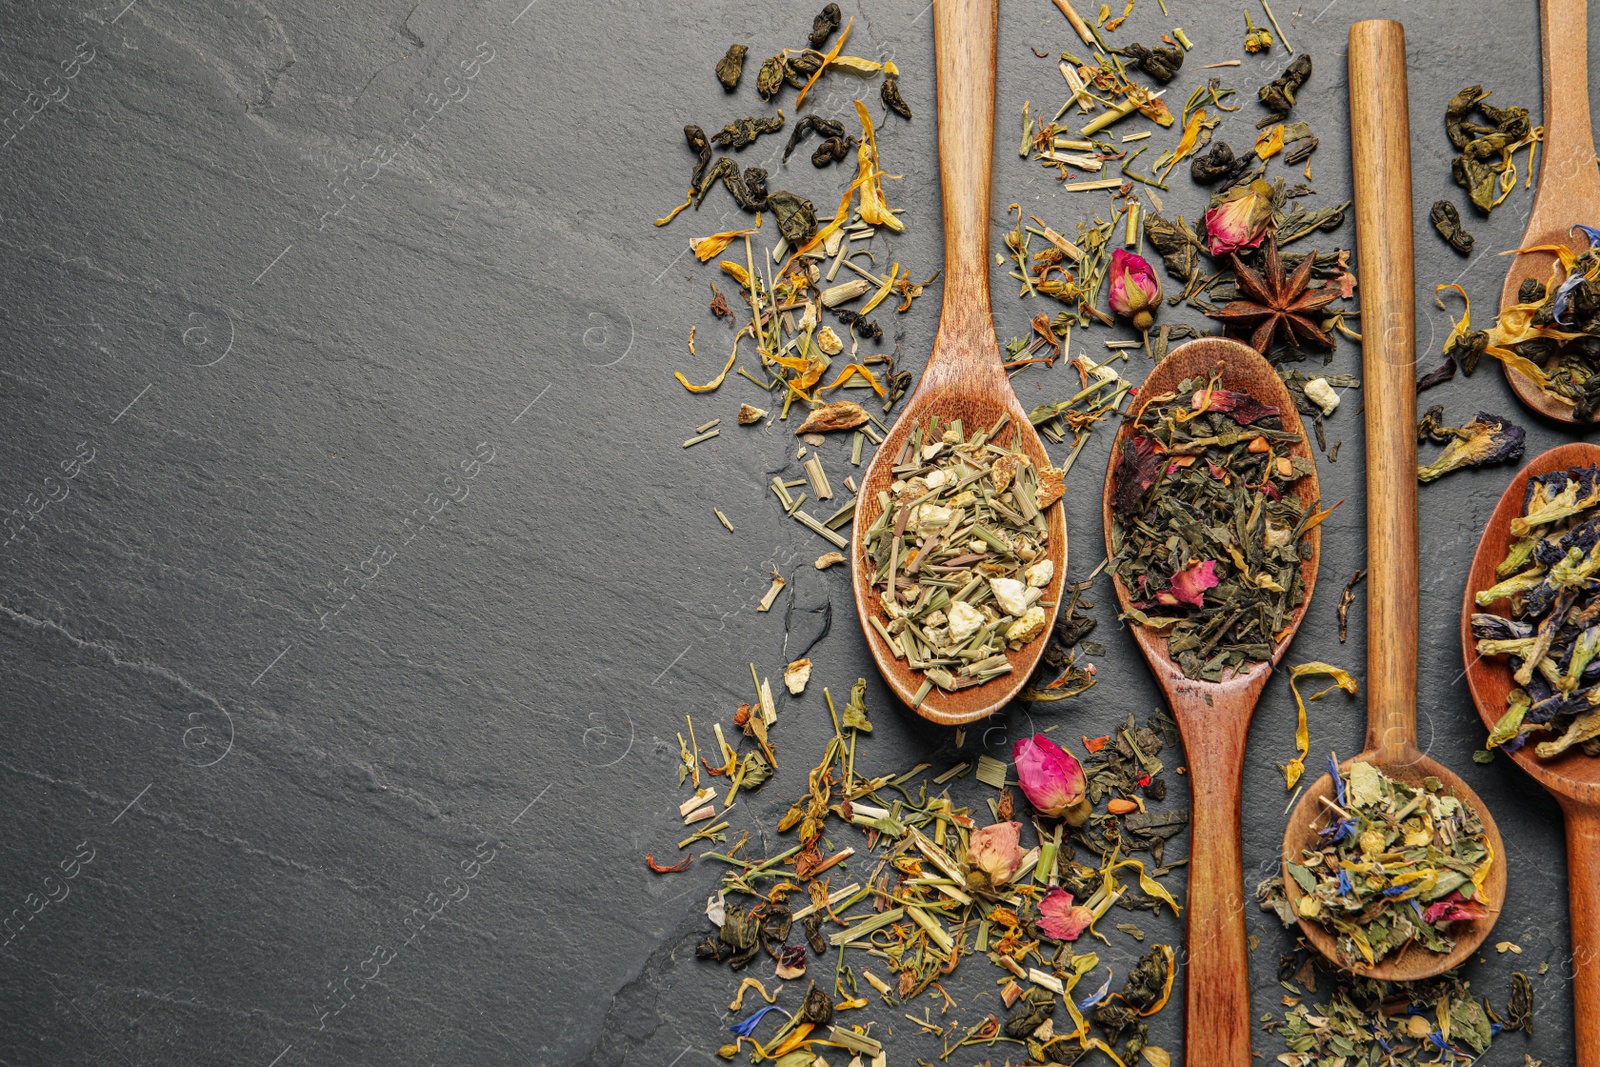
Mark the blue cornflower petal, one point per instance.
(1417, 908)
(1438, 1039)
(1562, 294)
(748, 1027)
(1395, 890)
(1338, 783)
(1590, 232)
(1098, 995)
(1344, 881)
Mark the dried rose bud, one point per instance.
(1241, 221)
(1135, 291)
(1052, 778)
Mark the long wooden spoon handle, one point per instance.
(1568, 137)
(1380, 151)
(1583, 857)
(964, 33)
(1217, 976)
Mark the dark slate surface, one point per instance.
(389, 584)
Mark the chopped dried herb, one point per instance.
(1207, 534)
(731, 67)
(1347, 598)
(1395, 865)
(960, 554)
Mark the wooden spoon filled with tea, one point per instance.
(1211, 631)
(1550, 756)
(959, 550)
(1389, 860)
(1569, 181)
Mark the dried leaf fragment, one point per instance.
(838, 415)
(796, 675)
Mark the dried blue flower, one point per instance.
(1483, 439)
(1589, 231)
(748, 1027)
(1563, 296)
(1344, 882)
(1098, 995)
(1338, 782)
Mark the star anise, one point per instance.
(1277, 306)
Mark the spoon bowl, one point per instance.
(1214, 718)
(965, 377)
(1380, 155)
(1569, 182)
(1571, 777)
(1410, 766)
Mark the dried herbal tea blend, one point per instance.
(890, 885)
(1549, 583)
(1207, 534)
(1552, 333)
(960, 554)
(1395, 1024)
(1395, 864)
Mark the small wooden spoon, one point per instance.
(1572, 777)
(1569, 181)
(965, 377)
(1381, 162)
(1214, 718)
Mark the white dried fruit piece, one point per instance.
(829, 341)
(965, 620)
(932, 515)
(1010, 594)
(828, 559)
(796, 675)
(1320, 393)
(749, 413)
(1040, 573)
(1029, 626)
(808, 318)
(935, 479)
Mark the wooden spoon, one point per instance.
(965, 377)
(1214, 718)
(1569, 182)
(1381, 161)
(1572, 777)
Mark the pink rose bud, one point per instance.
(1052, 778)
(1061, 919)
(993, 853)
(1240, 222)
(1135, 291)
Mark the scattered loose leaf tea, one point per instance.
(1552, 334)
(1549, 580)
(1447, 220)
(1207, 534)
(1395, 1024)
(1395, 864)
(1278, 94)
(960, 555)
(731, 67)
(1486, 167)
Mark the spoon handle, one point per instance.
(1568, 138)
(1380, 151)
(1583, 857)
(964, 33)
